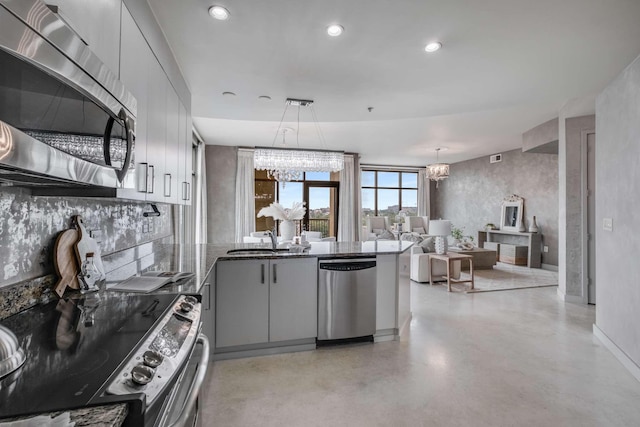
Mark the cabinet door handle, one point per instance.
(275, 273)
(185, 190)
(188, 191)
(142, 171)
(151, 182)
(208, 286)
(167, 187)
(261, 273)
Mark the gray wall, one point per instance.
(570, 204)
(618, 175)
(472, 196)
(29, 226)
(222, 162)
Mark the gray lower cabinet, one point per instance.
(265, 301)
(208, 305)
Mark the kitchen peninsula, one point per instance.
(392, 302)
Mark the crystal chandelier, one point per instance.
(284, 164)
(437, 171)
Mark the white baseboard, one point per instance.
(626, 361)
(549, 267)
(570, 298)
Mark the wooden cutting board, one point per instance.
(86, 244)
(65, 261)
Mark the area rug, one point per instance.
(505, 277)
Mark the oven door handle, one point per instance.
(196, 385)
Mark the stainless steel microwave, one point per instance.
(65, 119)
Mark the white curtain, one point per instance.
(424, 194)
(245, 195)
(349, 203)
(200, 202)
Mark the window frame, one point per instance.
(376, 188)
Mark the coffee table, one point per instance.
(449, 258)
(483, 259)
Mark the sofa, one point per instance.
(419, 267)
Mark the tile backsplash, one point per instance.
(29, 226)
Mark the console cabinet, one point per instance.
(265, 301)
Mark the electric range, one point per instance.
(100, 348)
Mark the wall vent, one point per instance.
(495, 158)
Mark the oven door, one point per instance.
(180, 408)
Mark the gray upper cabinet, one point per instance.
(161, 125)
(135, 56)
(97, 23)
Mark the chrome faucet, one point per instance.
(274, 238)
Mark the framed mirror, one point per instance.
(512, 211)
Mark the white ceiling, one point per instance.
(505, 67)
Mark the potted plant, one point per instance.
(460, 239)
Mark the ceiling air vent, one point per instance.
(495, 158)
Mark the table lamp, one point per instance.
(440, 229)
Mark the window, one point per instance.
(386, 193)
(317, 190)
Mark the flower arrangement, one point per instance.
(278, 212)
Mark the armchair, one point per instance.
(376, 225)
(416, 224)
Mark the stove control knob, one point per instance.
(141, 374)
(152, 358)
(185, 307)
(191, 300)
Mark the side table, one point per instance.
(449, 258)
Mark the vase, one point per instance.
(287, 230)
(533, 227)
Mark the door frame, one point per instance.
(321, 184)
(585, 209)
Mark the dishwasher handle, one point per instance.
(348, 266)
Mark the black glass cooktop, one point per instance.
(73, 346)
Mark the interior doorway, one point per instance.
(321, 200)
(589, 216)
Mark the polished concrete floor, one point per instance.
(509, 358)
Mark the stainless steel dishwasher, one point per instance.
(346, 298)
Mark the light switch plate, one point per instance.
(545, 248)
(607, 224)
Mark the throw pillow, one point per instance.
(386, 235)
(419, 230)
(411, 237)
(428, 244)
(377, 231)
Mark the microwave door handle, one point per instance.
(129, 153)
(196, 385)
(106, 146)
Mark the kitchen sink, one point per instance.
(263, 251)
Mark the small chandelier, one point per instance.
(437, 171)
(284, 164)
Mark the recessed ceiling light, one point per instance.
(228, 94)
(219, 12)
(335, 30)
(432, 47)
(264, 98)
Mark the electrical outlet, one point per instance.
(545, 248)
(96, 235)
(145, 225)
(607, 224)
